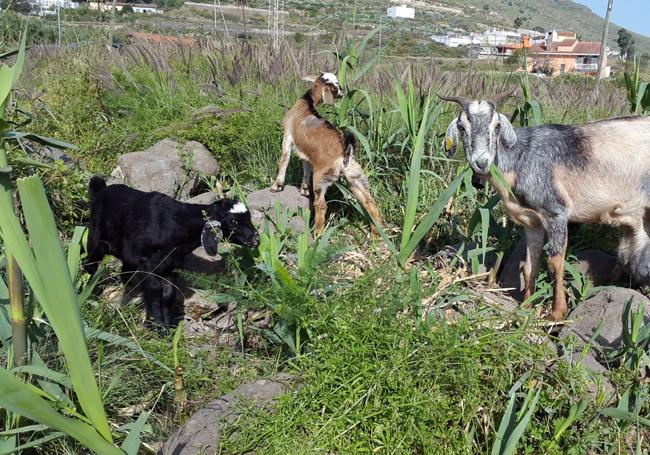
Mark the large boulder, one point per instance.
(603, 312)
(263, 202)
(202, 432)
(168, 167)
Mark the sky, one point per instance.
(631, 14)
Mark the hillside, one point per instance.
(442, 16)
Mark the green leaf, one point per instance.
(34, 443)
(414, 178)
(92, 333)
(18, 397)
(46, 270)
(131, 444)
(74, 251)
(429, 219)
(39, 139)
(9, 75)
(626, 416)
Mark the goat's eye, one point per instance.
(460, 127)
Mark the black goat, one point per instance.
(151, 233)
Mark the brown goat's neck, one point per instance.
(313, 98)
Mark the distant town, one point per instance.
(545, 53)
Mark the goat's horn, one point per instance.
(463, 101)
(501, 96)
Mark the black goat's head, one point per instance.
(234, 220)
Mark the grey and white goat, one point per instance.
(595, 172)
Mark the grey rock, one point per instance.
(202, 432)
(204, 198)
(289, 198)
(262, 203)
(166, 167)
(605, 307)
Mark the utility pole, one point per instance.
(58, 20)
(603, 44)
(214, 5)
(112, 29)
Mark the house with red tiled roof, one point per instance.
(564, 53)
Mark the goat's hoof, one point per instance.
(277, 187)
(557, 316)
(304, 192)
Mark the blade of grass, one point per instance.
(19, 398)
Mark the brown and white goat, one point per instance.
(326, 152)
(596, 172)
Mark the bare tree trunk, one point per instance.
(603, 45)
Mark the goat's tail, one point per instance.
(96, 185)
(349, 142)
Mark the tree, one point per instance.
(539, 29)
(625, 43)
(518, 21)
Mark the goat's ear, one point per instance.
(507, 137)
(309, 78)
(327, 96)
(451, 138)
(210, 237)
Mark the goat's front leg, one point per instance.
(278, 185)
(557, 242)
(306, 178)
(534, 248)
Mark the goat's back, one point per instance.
(316, 139)
(136, 222)
(600, 170)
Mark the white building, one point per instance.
(142, 8)
(46, 7)
(455, 41)
(496, 37)
(402, 11)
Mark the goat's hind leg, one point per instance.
(360, 187)
(278, 185)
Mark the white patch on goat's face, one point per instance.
(238, 208)
(478, 108)
(330, 78)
